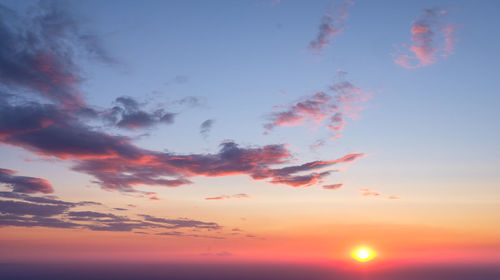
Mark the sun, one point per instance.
(363, 254)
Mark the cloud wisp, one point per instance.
(431, 38)
(332, 24)
(377, 194)
(221, 197)
(342, 100)
(206, 127)
(332, 186)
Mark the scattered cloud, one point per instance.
(431, 37)
(42, 110)
(332, 24)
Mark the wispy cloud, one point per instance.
(331, 25)
(377, 194)
(332, 186)
(342, 100)
(24, 210)
(220, 197)
(205, 128)
(431, 37)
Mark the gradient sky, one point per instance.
(249, 130)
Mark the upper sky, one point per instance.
(249, 129)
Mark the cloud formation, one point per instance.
(22, 210)
(128, 114)
(24, 184)
(331, 25)
(330, 108)
(431, 37)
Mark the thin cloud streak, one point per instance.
(240, 195)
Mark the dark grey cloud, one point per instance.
(182, 223)
(22, 210)
(38, 50)
(129, 114)
(24, 184)
(25, 208)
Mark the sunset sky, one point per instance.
(244, 131)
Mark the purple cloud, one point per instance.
(24, 184)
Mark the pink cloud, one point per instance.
(240, 195)
(331, 108)
(429, 39)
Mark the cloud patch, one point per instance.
(220, 197)
(206, 127)
(129, 114)
(332, 24)
(329, 108)
(431, 37)
(24, 184)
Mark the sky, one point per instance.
(249, 131)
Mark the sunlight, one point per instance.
(363, 254)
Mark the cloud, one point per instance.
(330, 108)
(24, 210)
(332, 186)
(24, 184)
(128, 114)
(38, 49)
(182, 223)
(205, 128)
(368, 192)
(332, 24)
(372, 193)
(240, 195)
(430, 37)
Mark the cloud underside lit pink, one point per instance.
(431, 38)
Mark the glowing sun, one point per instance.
(363, 254)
